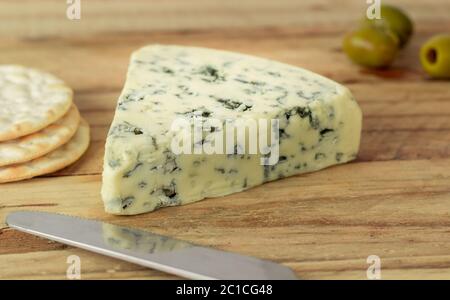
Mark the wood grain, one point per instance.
(393, 201)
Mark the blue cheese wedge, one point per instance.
(319, 125)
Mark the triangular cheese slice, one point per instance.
(318, 124)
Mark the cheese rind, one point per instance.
(319, 125)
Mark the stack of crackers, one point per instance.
(41, 130)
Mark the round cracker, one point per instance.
(60, 158)
(30, 100)
(42, 142)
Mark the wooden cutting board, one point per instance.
(393, 201)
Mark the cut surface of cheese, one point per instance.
(318, 125)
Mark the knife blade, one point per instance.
(147, 249)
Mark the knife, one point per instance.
(147, 249)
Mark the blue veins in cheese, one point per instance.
(319, 125)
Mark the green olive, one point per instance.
(371, 47)
(394, 19)
(435, 56)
